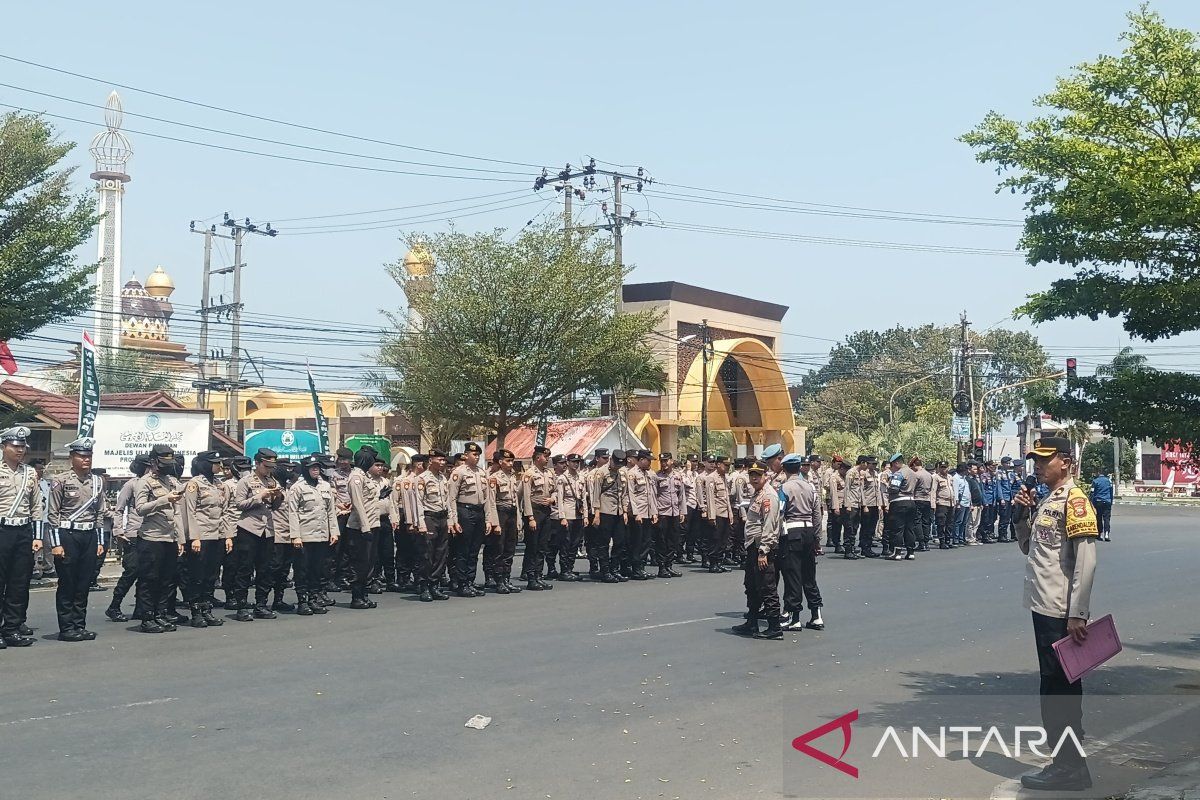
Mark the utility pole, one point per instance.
(703, 388)
(964, 381)
(616, 220)
(232, 382)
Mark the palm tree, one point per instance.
(1125, 361)
(120, 371)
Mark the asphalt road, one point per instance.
(629, 691)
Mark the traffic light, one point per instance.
(961, 403)
(978, 451)
(1072, 373)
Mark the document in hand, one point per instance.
(1101, 644)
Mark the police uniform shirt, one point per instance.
(312, 511)
(383, 504)
(763, 520)
(642, 499)
(364, 501)
(568, 502)
(923, 487)
(280, 525)
(340, 481)
(468, 485)
(539, 483)
(505, 493)
(431, 496)
(901, 484)
(670, 494)
(836, 497)
(801, 504)
(873, 493)
(77, 504)
(1060, 542)
(254, 514)
(855, 483)
(205, 510)
(160, 522)
(689, 486)
(943, 490)
(716, 497)
(125, 517)
(740, 491)
(20, 495)
(609, 492)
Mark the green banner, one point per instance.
(542, 429)
(318, 414)
(382, 444)
(89, 387)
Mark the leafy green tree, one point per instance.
(1097, 458)
(120, 371)
(41, 225)
(512, 331)
(719, 442)
(841, 443)
(854, 390)
(1109, 179)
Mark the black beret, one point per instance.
(265, 453)
(436, 454)
(419, 458)
(618, 455)
(559, 459)
(503, 453)
(540, 450)
(473, 447)
(601, 452)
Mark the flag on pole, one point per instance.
(318, 414)
(89, 387)
(7, 362)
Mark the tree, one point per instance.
(1109, 179)
(852, 392)
(512, 331)
(41, 225)
(1125, 361)
(120, 371)
(930, 442)
(1097, 458)
(719, 442)
(839, 443)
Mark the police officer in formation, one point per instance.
(21, 505)
(78, 520)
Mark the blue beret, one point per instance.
(772, 450)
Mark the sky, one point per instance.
(832, 105)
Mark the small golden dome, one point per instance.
(159, 284)
(418, 263)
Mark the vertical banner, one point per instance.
(89, 387)
(542, 428)
(318, 414)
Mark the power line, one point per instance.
(261, 118)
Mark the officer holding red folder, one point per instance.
(1058, 536)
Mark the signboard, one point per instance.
(382, 444)
(960, 428)
(294, 445)
(122, 433)
(1178, 464)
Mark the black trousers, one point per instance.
(75, 568)
(308, 563)
(1104, 516)
(156, 570)
(555, 541)
(129, 568)
(385, 552)
(535, 543)
(669, 546)
(433, 547)
(868, 518)
(636, 541)
(252, 559)
(202, 571)
(944, 516)
(737, 538)
(362, 559)
(16, 570)
(465, 546)
(693, 525)
(339, 555)
(610, 542)
(903, 519)
(281, 565)
(987, 522)
(407, 563)
(762, 586)
(833, 527)
(499, 548)
(1061, 700)
(924, 522)
(718, 539)
(799, 570)
(571, 536)
(99, 565)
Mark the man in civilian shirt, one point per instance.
(962, 505)
(1102, 499)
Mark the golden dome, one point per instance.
(418, 262)
(159, 284)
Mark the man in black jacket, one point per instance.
(976, 503)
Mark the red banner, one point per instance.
(1179, 466)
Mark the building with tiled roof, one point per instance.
(566, 436)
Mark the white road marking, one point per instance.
(155, 702)
(660, 625)
(1009, 790)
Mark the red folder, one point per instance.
(1101, 644)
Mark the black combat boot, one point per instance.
(747, 628)
(206, 611)
(773, 631)
(511, 587)
(260, 610)
(198, 620)
(303, 608)
(426, 593)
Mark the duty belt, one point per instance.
(472, 506)
(78, 526)
(436, 513)
(903, 497)
(790, 525)
(14, 522)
